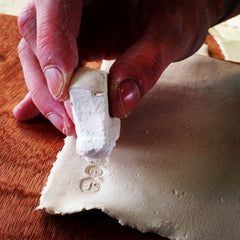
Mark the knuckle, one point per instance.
(22, 47)
(151, 66)
(26, 20)
(36, 97)
(23, 21)
(156, 68)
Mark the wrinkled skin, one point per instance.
(145, 36)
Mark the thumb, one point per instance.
(134, 73)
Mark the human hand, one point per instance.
(144, 37)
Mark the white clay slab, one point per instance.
(176, 168)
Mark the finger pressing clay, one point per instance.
(175, 169)
(97, 132)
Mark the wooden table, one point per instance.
(27, 152)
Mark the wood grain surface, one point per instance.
(213, 48)
(27, 152)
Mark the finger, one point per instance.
(27, 25)
(26, 109)
(134, 73)
(168, 38)
(43, 100)
(58, 23)
(68, 108)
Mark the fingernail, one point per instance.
(56, 120)
(55, 81)
(130, 95)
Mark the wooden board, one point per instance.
(213, 48)
(27, 152)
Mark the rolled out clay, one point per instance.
(175, 169)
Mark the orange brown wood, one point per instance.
(27, 152)
(214, 49)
